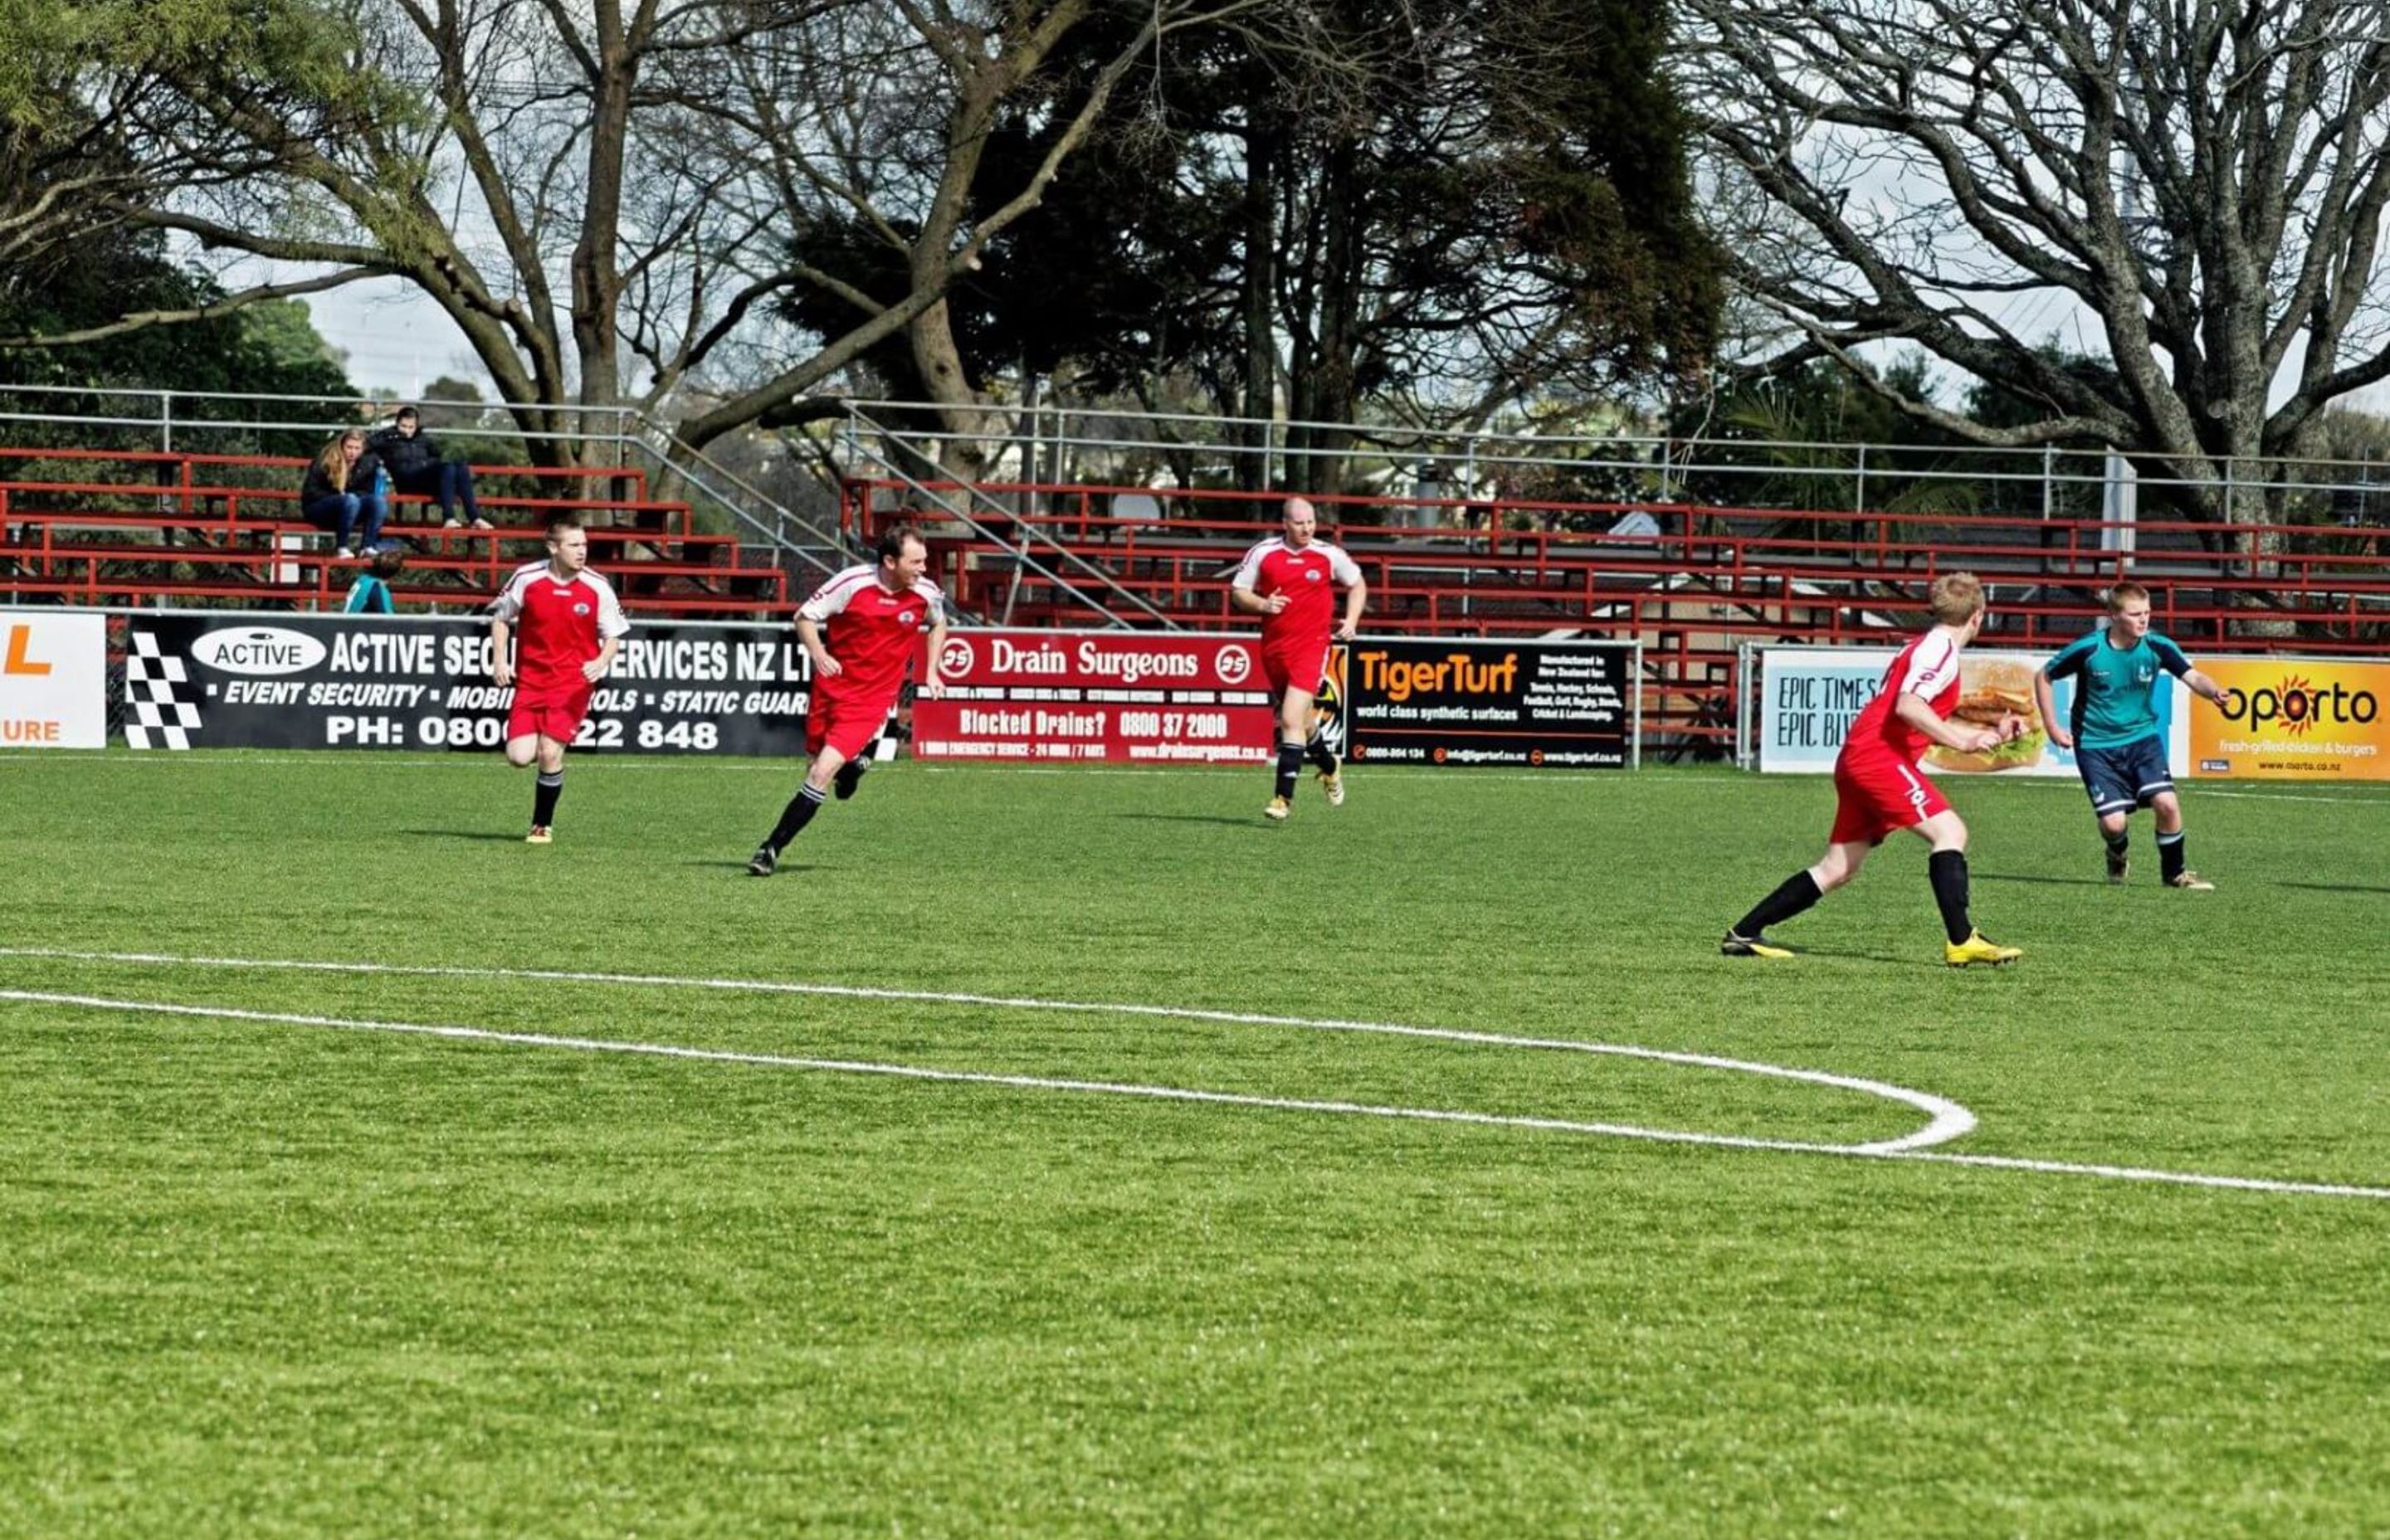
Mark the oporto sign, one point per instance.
(258, 649)
(2295, 706)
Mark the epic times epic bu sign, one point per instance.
(1097, 696)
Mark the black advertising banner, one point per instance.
(1430, 700)
(208, 681)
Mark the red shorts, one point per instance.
(550, 714)
(1301, 664)
(846, 725)
(1874, 797)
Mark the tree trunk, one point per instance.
(1335, 392)
(963, 455)
(1259, 404)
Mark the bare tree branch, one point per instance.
(142, 320)
(2202, 183)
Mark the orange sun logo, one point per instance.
(2298, 704)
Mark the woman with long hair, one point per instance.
(342, 491)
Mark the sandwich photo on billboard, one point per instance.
(1996, 693)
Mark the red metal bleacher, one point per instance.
(136, 527)
(1707, 580)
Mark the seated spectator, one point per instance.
(343, 492)
(417, 467)
(370, 594)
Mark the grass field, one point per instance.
(260, 1276)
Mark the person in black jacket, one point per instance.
(415, 466)
(343, 491)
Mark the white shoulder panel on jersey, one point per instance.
(1932, 667)
(1248, 571)
(507, 605)
(611, 622)
(833, 596)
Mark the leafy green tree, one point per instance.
(470, 429)
(269, 349)
(1824, 436)
(1382, 204)
(110, 110)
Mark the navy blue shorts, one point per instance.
(2125, 777)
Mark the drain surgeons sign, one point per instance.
(222, 680)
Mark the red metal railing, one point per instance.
(1691, 589)
(72, 533)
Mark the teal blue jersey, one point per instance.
(2116, 688)
(369, 595)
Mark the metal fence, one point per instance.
(1049, 443)
(804, 540)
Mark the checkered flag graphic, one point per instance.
(151, 705)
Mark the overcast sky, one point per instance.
(395, 339)
(398, 341)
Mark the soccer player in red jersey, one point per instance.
(1290, 582)
(875, 614)
(1879, 787)
(566, 626)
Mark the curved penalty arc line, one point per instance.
(1947, 1120)
(921, 1071)
(1168, 1093)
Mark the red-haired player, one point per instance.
(566, 625)
(1878, 786)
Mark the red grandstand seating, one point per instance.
(99, 527)
(1709, 580)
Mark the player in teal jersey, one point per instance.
(2114, 728)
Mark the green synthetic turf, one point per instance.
(266, 1279)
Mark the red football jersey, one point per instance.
(1308, 578)
(559, 624)
(1928, 667)
(871, 632)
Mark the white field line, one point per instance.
(2142, 1174)
(916, 1072)
(1168, 1093)
(1948, 1119)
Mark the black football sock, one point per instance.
(2170, 855)
(849, 776)
(2118, 841)
(1948, 870)
(542, 799)
(796, 815)
(1793, 894)
(1321, 755)
(1289, 765)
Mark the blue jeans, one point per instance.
(340, 513)
(447, 482)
